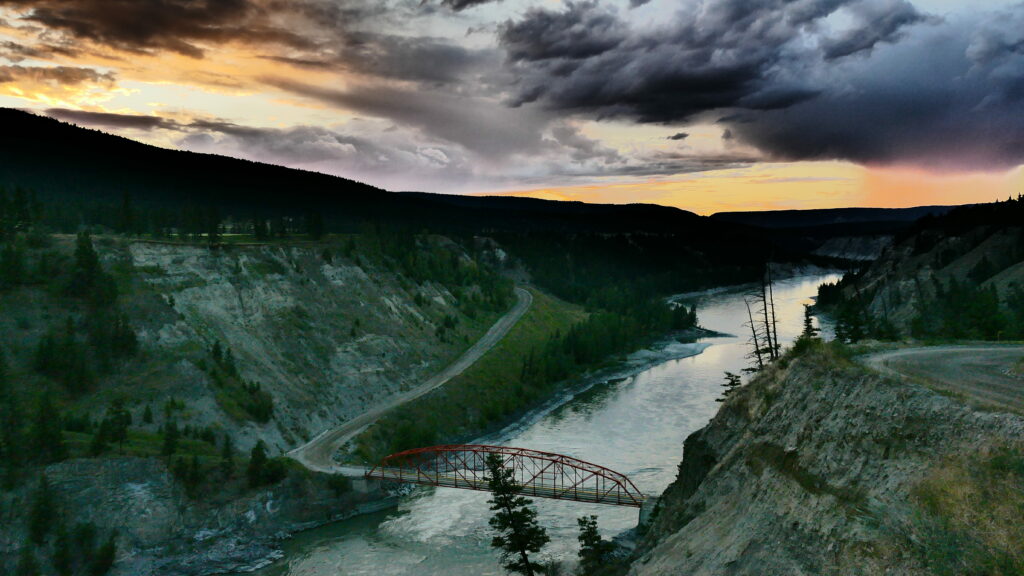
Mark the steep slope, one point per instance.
(324, 336)
(822, 467)
(960, 275)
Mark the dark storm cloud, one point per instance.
(57, 75)
(110, 120)
(459, 5)
(875, 23)
(154, 25)
(949, 98)
(881, 82)
(583, 30)
(721, 54)
(333, 35)
(16, 52)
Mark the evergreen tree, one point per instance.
(260, 230)
(227, 456)
(12, 444)
(12, 266)
(171, 433)
(43, 512)
(27, 563)
(98, 443)
(45, 438)
(315, 225)
(117, 422)
(104, 558)
(126, 217)
(212, 225)
(256, 472)
(594, 550)
(61, 558)
(732, 382)
(83, 541)
(519, 535)
(810, 331)
(147, 415)
(86, 266)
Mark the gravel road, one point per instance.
(978, 372)
(318, 453)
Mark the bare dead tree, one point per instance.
(763, 322)
(776, 348)
(755, 340)
(763, 298)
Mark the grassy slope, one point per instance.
(971, 513)
(487, 393)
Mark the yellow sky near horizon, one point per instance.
(798, 185)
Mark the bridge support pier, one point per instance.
(364, 485)
(647, 510)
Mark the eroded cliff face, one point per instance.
(326, 337)
(821, 467)
(161, 531)
(902, 280)
(325, 330)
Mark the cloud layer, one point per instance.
(463, 94)
(888, 84)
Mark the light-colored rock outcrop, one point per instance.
(812, 469)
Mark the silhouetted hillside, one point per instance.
(88, 178)
(88, 167)
(850, 219)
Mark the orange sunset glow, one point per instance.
(796, 186)
(476, 97)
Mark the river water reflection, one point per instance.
(634, 425)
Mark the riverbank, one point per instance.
(680, 345)
(632, 415)
(820, 466)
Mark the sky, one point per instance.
(707, 105)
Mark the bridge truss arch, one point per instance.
(540, 474)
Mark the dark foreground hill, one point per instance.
(62, 161)
(88, 178)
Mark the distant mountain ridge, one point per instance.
(99, 167)
(830, 216)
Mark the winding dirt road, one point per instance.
(976, 372)
(318, 453)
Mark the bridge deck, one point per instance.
(448, 480)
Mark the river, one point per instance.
(634, 425)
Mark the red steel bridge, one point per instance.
(541, 474)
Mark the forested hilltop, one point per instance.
(178, 321)
(955, 276)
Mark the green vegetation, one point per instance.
(596, 553)
(553, 342)
(240, 399)
(482, 396)
(601, 336)
(71, 552)
(262, 470)
(518, 534)
(956, 302)
(970, 514)
(953, 310)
